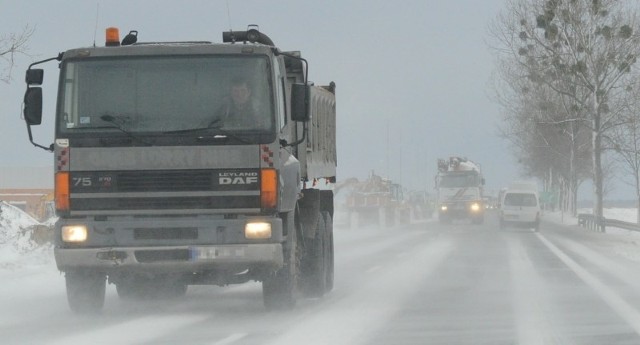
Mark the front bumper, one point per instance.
(518, 219)
(461, 210)
(172, 259)
(169, 244)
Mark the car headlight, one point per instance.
(443, 207)
(257, 230)
(475, 207)
(74, 233)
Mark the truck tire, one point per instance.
(280, 288)
(382, 217)
(536, 226)
(329, 259)
(314, 278)
(85, 291)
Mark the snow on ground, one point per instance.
(623, 214)
(16, 246)
(625, 243)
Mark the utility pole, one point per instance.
(387, 172)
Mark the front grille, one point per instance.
(159, 190)
(166, 203)
(153, 181)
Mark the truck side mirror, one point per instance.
(300, 102)
(34, 76)
(33, 105)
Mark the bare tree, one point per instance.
(576, 48)
(546, 129)
(11, 45)
(626, 142)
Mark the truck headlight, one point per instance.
(257, 230)
(443, 207)
(74, 233)
(475, 207)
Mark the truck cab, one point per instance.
(459, 185)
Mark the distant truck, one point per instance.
(459, 185)
(378, 201)
(155, 190)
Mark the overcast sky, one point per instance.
(411, 76)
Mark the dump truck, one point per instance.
(156, 190)
(377, 201)
(459, 185)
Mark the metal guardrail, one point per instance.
(591, 222)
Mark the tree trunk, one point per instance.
(637, 178)
(597, 156)
(573, 202)
(573, 175)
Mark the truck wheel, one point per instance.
(85, 291)
(314, 262)
(536, 226)
(279, 288)
(382, 217)
(328, 245)
(391, 217)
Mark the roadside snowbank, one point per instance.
(16, 246)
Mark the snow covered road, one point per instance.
(420, 284)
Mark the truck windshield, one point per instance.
(165, 94)
(459, 180)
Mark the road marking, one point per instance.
(605, 263)
(230, 339)
(620, 306)
(531, 325)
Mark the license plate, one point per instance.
(210, 253)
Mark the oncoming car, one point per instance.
(520, 208)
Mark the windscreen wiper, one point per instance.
(118, 123)
(215, 124)
(219, 134)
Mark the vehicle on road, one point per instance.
(377, 201)
(520, 208)
(162, 180)
(459, 184)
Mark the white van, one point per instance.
(520, 208)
